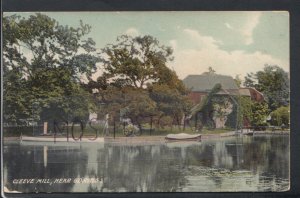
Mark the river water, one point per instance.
(259, 163)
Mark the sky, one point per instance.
(232, 43)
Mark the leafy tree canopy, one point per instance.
(136, 62)
(136, 80)
(41, 60)
(273, 82)
(169, 101)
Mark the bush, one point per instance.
(280, 116)
(260, 113)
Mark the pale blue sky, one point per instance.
(231, 42)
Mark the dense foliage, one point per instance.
(273, 82)
(44, 65)
(43, 62)
(137, 83)
(138, 61)
(280, 116)
(260, 112)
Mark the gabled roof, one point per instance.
(205, 82)
(255, 94)
(244, 92)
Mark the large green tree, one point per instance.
(43, 60)
(170, 102)
(273, 82)
(136, 69)
(137, 61)
(260, 113)
(251, 112)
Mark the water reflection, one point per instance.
(231, 164)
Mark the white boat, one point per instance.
(183, 137)
(60, 139)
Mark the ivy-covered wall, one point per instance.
(222, 107)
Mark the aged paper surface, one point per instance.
(146, 102)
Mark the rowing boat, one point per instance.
(183, 137)
(60, 139)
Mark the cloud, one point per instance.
(251, 23)
(228, 26)
(200, 40)
(197, 60)
(247, 29)
(132, 32)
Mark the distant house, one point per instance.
(201, 85)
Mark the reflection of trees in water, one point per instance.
(266, 157)
(153, 168)
(279, 153)
(200, 155)
(140, 168)
(213, 154)
(276, 164)
(259, 153)
(268, 154)
(26, 162)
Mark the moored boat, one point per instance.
(183, 137)
(60, 139)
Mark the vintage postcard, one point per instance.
(145, 102)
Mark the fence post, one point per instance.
(150, 125)
(45, 129)
(67, 123)
(114, 128)
(184, 122)
(196, 119)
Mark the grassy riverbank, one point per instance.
(117, 131)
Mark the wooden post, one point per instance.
(184, 117)
(196, 119)
(54, 129)
(67, 123)
(45, 128)
(150, 125)
(114, 128)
